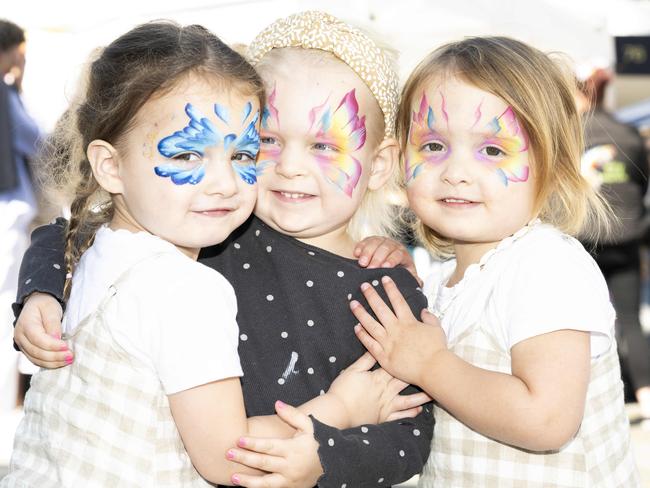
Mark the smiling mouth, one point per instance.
(457, 202)
(215, 212)
(287, 196)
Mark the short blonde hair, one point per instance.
(541, 92)
(377, 212)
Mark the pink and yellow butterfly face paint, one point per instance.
(341, 132)
(269, 154)
(422, 135)
(509, 137)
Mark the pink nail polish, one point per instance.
(235, 479)
(280, 404)
(365, 286)
(230, 454)
(385, 279)
(68, 359)
(241, 442)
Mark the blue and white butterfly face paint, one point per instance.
(187, 148)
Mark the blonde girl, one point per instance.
(521, 360)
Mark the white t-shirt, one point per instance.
(534, 282)
(172, 313)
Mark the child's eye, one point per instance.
(433, 147)
(492, 151)
(243, 157)
(187, 156)
(322, 146)
(267, 140)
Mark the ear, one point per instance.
(104, 161)
(384, 163)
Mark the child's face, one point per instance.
(315, 156)
(189, 163)
(468, 163)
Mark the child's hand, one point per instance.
(403, 345)
(291, 463)
(372, 397)
(38, 332)
(382, 252)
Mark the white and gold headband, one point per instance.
(318, 30)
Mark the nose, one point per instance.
(220, 177)
(456, 170)
(291, 163)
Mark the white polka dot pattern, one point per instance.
(319, 30)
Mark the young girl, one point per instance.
(169, 125)
(327, 161)
(524, 370)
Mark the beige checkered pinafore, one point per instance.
(599, 456)
(103, 421)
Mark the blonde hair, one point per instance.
(377, 212)
(541, 92)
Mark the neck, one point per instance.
(337, 242)
(466, 255)
(123, 220)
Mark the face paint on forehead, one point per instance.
(509, 135)
(346, 132)
(421, 131)
(197, 136)
(270, 111)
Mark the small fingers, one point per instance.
(365, 249)
(273, 447)
(364, 363)
(374, 328)
(37, 336)
(43, 358)
(382, 311)
(406, 402)
(395, 386)
(294, 417)
(369, 343)
(404, 414)
(397, 257)
(273, 480)
(263, 462)
(397, 300)
(381, 254)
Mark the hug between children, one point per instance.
(229, 285)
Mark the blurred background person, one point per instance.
(19, 141)
(615, 162)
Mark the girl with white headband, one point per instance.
(327, 162)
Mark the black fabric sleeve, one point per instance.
(376, 455)
(43, 266)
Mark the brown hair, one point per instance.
(148, 60)
(541, 92)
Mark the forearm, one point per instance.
(374, 455)
(498, 405)
(327, 408)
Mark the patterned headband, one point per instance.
(318, 30)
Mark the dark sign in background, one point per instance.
(633, 55)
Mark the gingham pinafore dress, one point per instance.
(103, 421)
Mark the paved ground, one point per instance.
(640, 442)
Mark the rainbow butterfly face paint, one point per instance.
(422, 134)
(512, 140)
(340, 132)
(187, 147)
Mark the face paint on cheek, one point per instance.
(421, 132)
(199, 134)
(344, 130)
(513, 140)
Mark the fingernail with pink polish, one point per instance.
(230, 454)
(235, 479)
(68, 359)
(280, 404)
(241, 442)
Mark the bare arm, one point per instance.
(539, 406)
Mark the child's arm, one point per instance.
(538, 407)
(40, 283)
